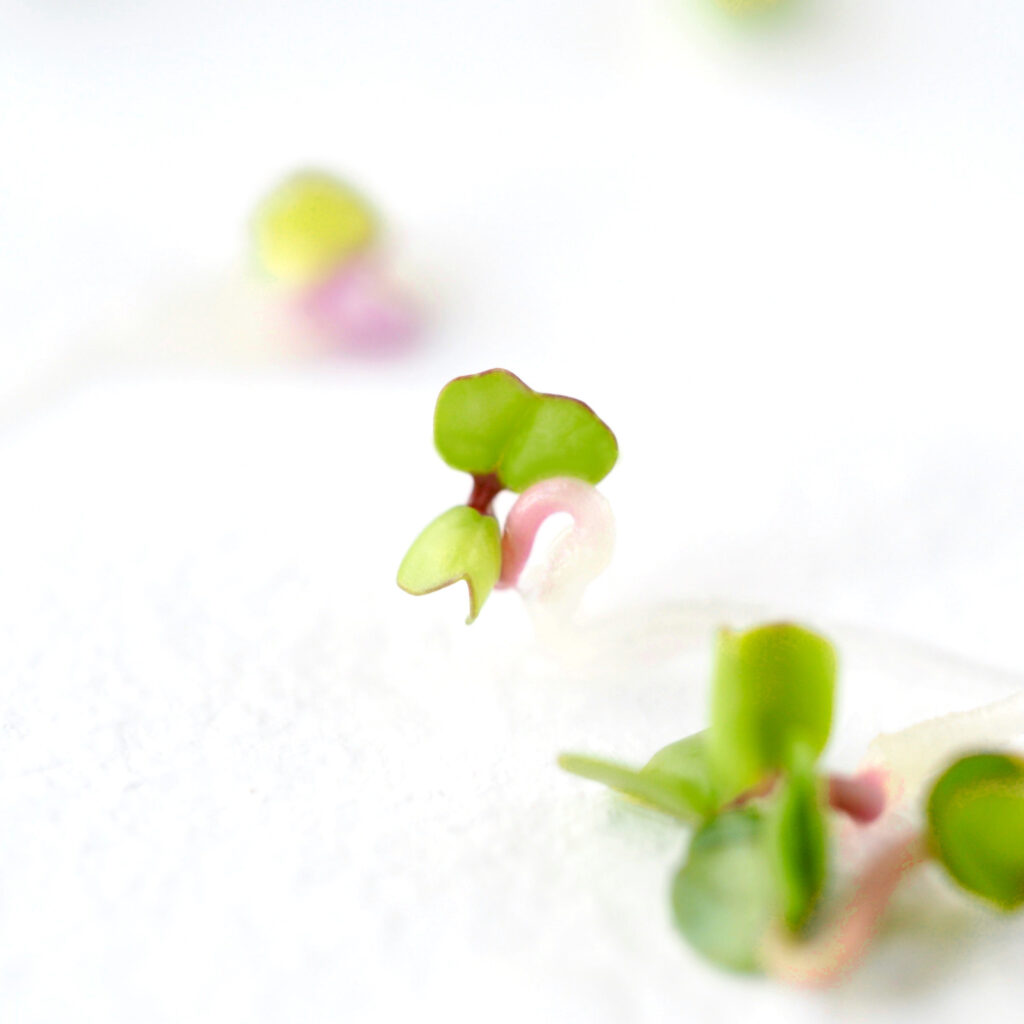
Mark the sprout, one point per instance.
(751, 892)
(549, 448)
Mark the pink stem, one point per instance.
(591, 520)
(862, 796)
(831, 954)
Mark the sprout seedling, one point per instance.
(750, 893)
(507, 437)
(317, 236)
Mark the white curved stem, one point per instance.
(577, 556)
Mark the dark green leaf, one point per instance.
(797, 839)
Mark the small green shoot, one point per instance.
(507, 437)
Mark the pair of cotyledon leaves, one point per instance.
(491, 425)
(750, 864)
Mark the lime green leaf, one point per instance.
(674, 780)
(562, 437)
(797, 841)
(976, 826)
(723, 896)
(476, 417)
(460, 544)
(773, 690)
(309, 225)
(493, 423)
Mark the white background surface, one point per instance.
(242, 776)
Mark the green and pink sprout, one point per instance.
(751, 894)
(318, 237)
(549, 449)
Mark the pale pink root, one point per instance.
(830, 955)
(577, 556)
(358, 307)
(861, 797)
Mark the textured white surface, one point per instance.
(243, 777)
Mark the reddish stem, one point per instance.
(832, 953)
(860, 797)
(486, 487)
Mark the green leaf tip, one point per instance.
(674, 781)
(772, 693)
(491, 422)
(460, 544)
(724, 896)
(976, 826)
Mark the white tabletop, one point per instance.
(243, 777)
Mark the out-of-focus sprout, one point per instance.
(752, 892)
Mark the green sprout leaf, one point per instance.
(460, 544)
(493, 423)
(675, 780)
(797, 842)
(772, 692)
(724, 897)
(309, 225)
(976, 826)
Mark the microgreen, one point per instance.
(507, 437)
(750, 892)
(309, 225)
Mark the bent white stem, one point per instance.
(907, 759)
(553, 588)
(829, 956)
